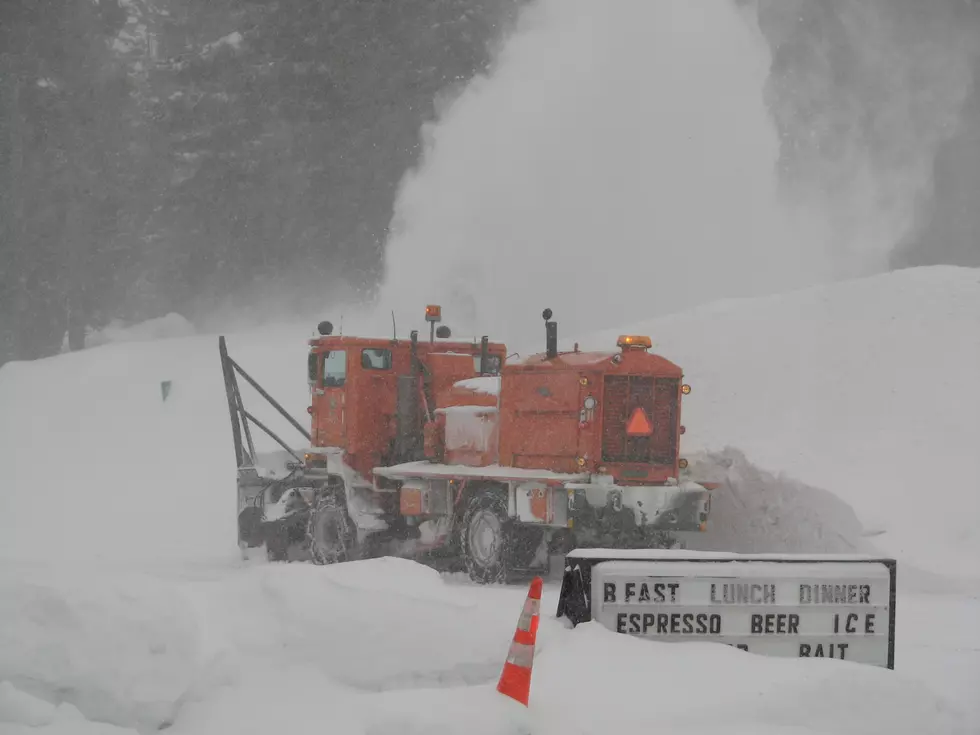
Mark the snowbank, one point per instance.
(372, 626)
(386, 646)
(98, 464)
(24, 714)
(754, 511)
(120, 649)
(134, 649)
(631, 685)
(867, 389)
(171, 326)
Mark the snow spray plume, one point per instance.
(864, 93)
(617, 162)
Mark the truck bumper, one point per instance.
(681, 507)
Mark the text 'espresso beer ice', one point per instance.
(650, 593)
(837, 606)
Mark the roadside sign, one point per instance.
(786, 605)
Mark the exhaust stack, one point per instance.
(551, 334)
(484, 355)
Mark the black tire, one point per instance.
(250, 526)
(485, 534)
(331, 532)
(287, 538)
(495, 548)
(277, 544)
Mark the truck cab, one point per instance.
(370, 397)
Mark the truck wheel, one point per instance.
(250, 527)
(487, 537)
(333, 538)
(277, 544)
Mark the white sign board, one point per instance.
(807, 607)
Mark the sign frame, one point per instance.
(575, 597)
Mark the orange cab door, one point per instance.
(329, 400)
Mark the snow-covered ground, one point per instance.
(124, 605)
(387, 646)
(865, 388)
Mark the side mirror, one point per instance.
(443, 332)
(325, 328)
(311, 368)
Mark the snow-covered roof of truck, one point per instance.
(487, 385)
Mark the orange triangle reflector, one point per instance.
(639, 424)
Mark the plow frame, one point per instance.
(254, 488)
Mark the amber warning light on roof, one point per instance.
(433, 313)
(639, 424)
(634, 340)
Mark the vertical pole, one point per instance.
(236, 431)
(248, 432)
(484, 355)
(229, 377)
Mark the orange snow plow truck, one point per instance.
(450, 453)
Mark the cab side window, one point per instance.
(376, 359)
(493, 364)
(334, 369)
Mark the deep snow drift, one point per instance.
(96, 464)
(122, 599)
(386, 646)
(867, 389)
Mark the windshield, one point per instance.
(334, 369)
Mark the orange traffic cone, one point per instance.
(515, 679)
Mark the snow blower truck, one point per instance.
(449, 453)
